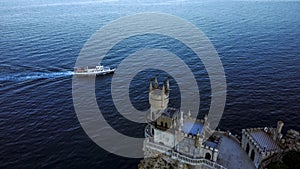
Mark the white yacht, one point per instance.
(98, 70)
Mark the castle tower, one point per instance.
(279, 127)
(158, 99)
(277, 134)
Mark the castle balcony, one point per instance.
(196, 161)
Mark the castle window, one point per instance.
(161, 124)
(252, 155)
(207, 156)
(247, 148)
(166, 125)
(152, 131)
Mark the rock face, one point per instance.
(292, 140)
(159, 162)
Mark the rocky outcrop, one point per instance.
(159, 162)
(292, 140)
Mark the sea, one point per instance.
(258, 43)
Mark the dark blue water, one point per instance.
(258, 42)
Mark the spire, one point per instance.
(206, 123)
(163, 96)
(189, 114)
(181, 119)
(150, 86)
(155, 83)
(198, 132)
(205, 118)
(167, 84)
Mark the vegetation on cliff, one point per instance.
(290, 160)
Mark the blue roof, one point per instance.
(211, 144)
(264, 140)
(190, 127)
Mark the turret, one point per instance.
(167, 84)
(163, 96)
(279, 126)
(205, 118)
(155, 83)
(197, 139)
(277, 134)
(205, 126)
(181, 119)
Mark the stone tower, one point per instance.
(278, 135)
(158, 98)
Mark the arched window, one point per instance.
(247, 148)
(187, 149)
(252, 156)
(207, 156)
(152, 131)
(161, 124)
(166, 125)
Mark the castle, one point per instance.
(190, 142)
(177, 135)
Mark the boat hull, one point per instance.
(93, 73)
